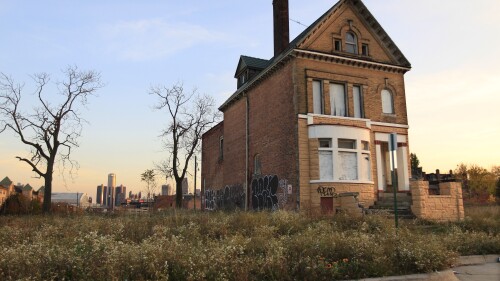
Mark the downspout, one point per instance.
(246, 150)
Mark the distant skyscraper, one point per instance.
(111, 190)
(185, 186)
(166, 189)
(104, 196)
(99, 197)
(120, 194)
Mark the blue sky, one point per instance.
(451, 91)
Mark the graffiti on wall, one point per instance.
(327, 191)
(269, 193)
(230, 197)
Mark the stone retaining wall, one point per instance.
(448, 206)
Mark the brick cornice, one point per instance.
(306, 54)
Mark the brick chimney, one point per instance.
(281, 26)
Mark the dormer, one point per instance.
(248, 68)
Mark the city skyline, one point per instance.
(450, 90)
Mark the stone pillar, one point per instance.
(419, 195)
(403, 177)
(380, 178)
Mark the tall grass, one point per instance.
(229, 246)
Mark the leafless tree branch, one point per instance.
(53, 127)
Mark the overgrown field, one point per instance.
(235, 246)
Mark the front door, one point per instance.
(326, 205)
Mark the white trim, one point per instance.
(403, 178)
(302, 116)
(341, 181)
(380, 180)
(390, 125)
(385, 137)
(338, 117)
(351, 59)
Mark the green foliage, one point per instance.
(181, 245)
(477, 181)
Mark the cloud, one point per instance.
(149, 39)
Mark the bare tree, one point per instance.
(149, 178)
(190, 116)
(52, 127)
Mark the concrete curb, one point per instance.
(446, 275)
(474, 260)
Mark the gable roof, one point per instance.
(27, 187)
(368, 19)
(250, 62)
(6, 182)
(364, 14)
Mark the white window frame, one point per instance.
(318, 100)
(333, 102)
(353, 44)
(387, 97)
(357, 100)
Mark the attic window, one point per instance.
(351, 43)
(337, 44)
(364, 50)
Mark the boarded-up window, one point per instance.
(348, 166)
(325, 165)
(387, 102)
(357, 102)
(337, 99)
(318, 97)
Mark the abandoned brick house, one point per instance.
(314, 120)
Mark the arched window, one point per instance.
(351, 42)
(387, 102)
(257, 165)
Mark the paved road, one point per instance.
(478, 268)
(470, 268)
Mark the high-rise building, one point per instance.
(111, 190)
(120, 194)
(185, 186)
(105, 194)
(166, 189)
(99, 196)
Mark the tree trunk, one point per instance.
(178, 194)
(47, 194)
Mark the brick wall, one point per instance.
(371, 80)
(234, 143)
(212, 170)
(273, 128)
(445, 207)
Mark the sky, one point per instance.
(452, 97)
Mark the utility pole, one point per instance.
(195, 170)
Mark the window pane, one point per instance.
(387, 102)
(317, 97)
(325, 143)
(325, 165)
(365, 145)
(350, 48)
(348, 166)
(337, 99)
(350, 37)
(357, 102)
(365, 167)
(347, 144)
